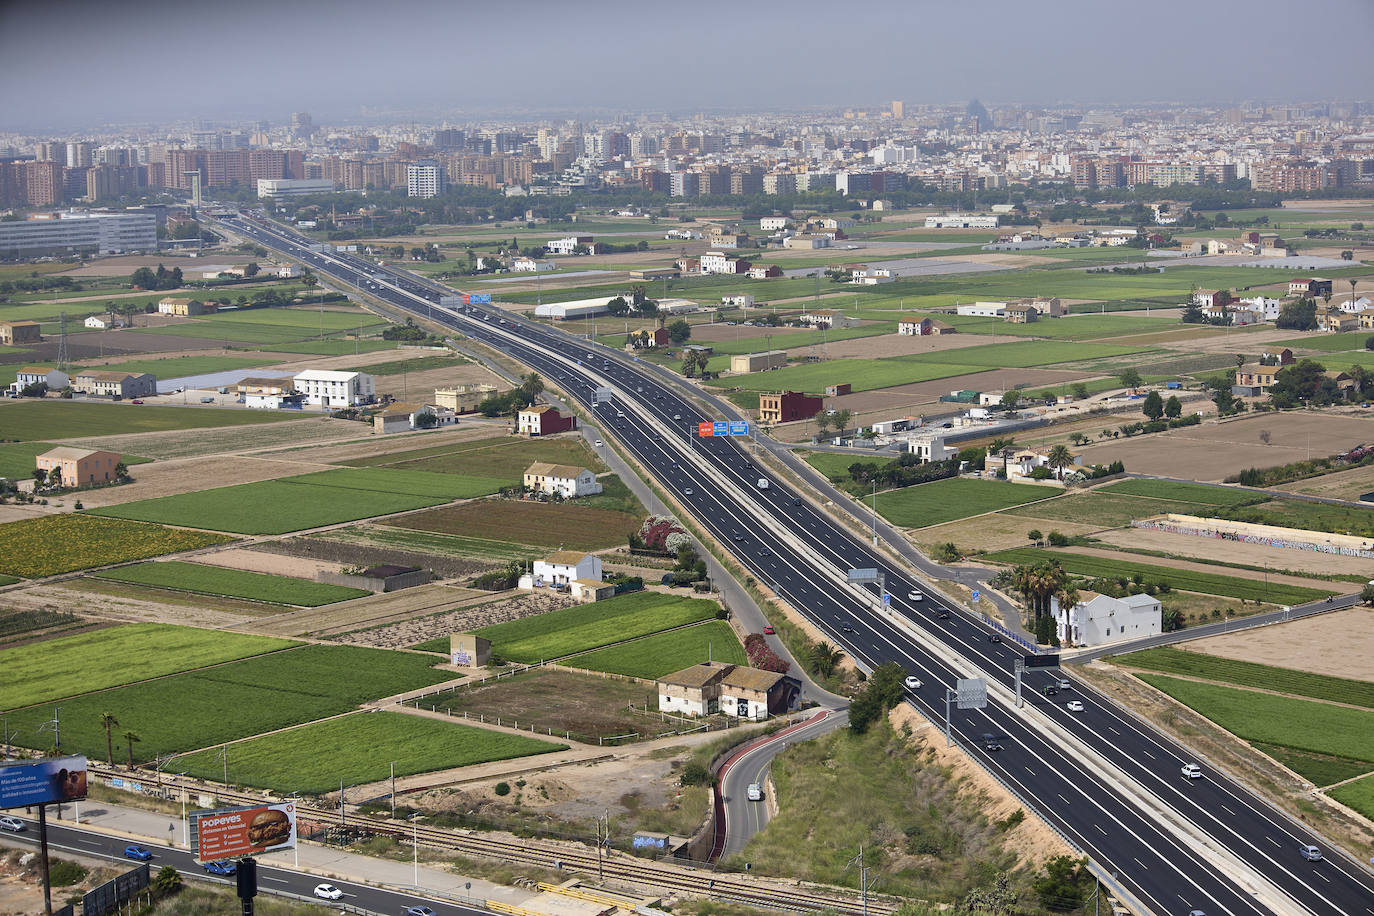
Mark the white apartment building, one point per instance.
(324, 388)
(424, 179)
(530, 265)
(717, 262)
(565, 246)
(961, 221)
(281, 188)
(79, 231)
(773, 223)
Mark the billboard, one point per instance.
(40, 782)
(972, 692)
(110, 896)
(739, 427)
(1042, 661)
(226, 833)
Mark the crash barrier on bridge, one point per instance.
(1264, 535)
(498, 907)
(1003, 631)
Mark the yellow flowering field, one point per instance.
(54, 544)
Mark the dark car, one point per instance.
(138, 852)
(992, 743)
(221, 867)
(943, 614)
(994, 638)
(1050, 690)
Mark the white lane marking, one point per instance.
(1226, 809)
(1113, 731)
(1028, 770)
(270, 878)
(1141, 864)
(1062, 798)
(1272, 840)
(1100, 830)
(1147, 753)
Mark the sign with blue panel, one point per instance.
(739, 427)
(720, 428)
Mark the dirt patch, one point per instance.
(892, 345)
(168, 478)
(1032, 840)
(118, 601)
(466, 431)
(581, 706)
(1214, 451)
(1351, 484)
(127, 264)
(323, 549)
(270, 563)
(526, 522)
(1340, 643)
(358, 613)
(1275, 578)
(990, 532)
(491, 610)
(1277, 558)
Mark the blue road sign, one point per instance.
(887, 599)
(739, 427)
(480, 298)
(975, 594)
(720, 428)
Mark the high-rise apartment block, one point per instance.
(424, 179)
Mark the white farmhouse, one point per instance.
(1105, 619)
(567, 566)
(565, 480)
(336, 389)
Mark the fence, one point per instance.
(1259, 539)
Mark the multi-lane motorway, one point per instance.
(1105, 780)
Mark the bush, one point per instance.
(62, 873)
(503, 788)
(167, 880)
(695, 773)
(1058, 539)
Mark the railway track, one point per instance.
(614, 866)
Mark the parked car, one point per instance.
(13, 824)
(142, 853)
(220, 867)
(135, 401)
(327, 892)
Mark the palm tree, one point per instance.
(1068, 599)
(532, 386)
(824, 658)
(107, 722)
(130, 737)
(1059, 458)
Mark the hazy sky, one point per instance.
(67, 64)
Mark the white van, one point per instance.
(763, 483)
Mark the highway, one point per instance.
(1101, 777)
(271, 880)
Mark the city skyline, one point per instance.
(452, 61)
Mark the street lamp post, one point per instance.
(415, 844)
(875, 513)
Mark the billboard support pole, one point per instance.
(43, 854)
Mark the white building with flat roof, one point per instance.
(1105, 619)
(961, 221)
(424, 179)
(282, 188)
(78, 232)
(325, 388)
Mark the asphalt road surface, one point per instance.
(1104, 779)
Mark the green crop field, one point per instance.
(861, 374)
(1318, 769)
(1187, 580)
(26, 421)
(835, 465)
(417, 364)
(947, 500)
(1304, 725)
(358, 749)
(17, 458)
(1294, 513)
(1078, 327)
(500, 459)
(269, 326)
(560, 525)
(1251, 674)
(307, 501)
(45, 671)
(452, 545)
(328, 347)
(1352, 340)
(182, 366)
(54, 544)
(1023, 354)
(1104, 510)
(591, 626)
(655, 656)
(233, 583)
(204, 708)
(1183, 492)
(1358, 795)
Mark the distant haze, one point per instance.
(67, 64)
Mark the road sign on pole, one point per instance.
(705, 430)
(739, 427)
(720, 428)
(975, 595)
(972, 692)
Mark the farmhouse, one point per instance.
(544, 421)
(336, 389)
(103, 322)
(184, 308)
(827, 318)
(19, 332)
(400, 418)
(715, 688)
(565, 480)
(787, 406)
(1105, 619)
(1021, 313)
(924, 327)
(463, 398)
(1337, 321)
(55, 379)
(114, 384)
(565, 566)
(1311, 287)
(79, 467)
(262, 393)
(1255, 379)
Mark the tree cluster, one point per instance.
(881, 692)
(147, 279)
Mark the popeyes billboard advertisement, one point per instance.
(228, 833)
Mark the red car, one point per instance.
(768, 630)
(135, 401)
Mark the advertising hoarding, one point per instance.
(110, 896)
(226, 833)
(41, 782)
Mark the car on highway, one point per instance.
(911, 682)
(1049, 690)
(1310, 853)
(994, 638)
(220, 867)
(12, 824)
(915, 596)
(765, 552)
(677, 416)
(136, 401)
(327, 892)
(418, 911)
(1064, 684)
(846, 627)
(142, 853)
(686, 491)
(942, 614)
(755, 792)
(768, 630)
(1192, 771)
(992, 742)
(1074, 706)
(599, 443)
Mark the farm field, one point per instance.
(17, 458)
(654, 656)
(328, 347)
(1250, 674)
(1183, 492)
(861, 374)
(591, 626)
(453, 545)
(51, 420)
(1185, 579)
(1309, 516)
(182, 366)
(1077, 327)
(1301, 725)
(269, 326)
(1358, 795)
(111, 657)
(946, 500)
(53, 544)
(498, 458)
(1101, 509)
(358, 749)
(580, 707)
(415, 364)
(233, 583)
(200, 709)
(1328, 343)
(537, 524)
(835, 464)
(307, 501)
